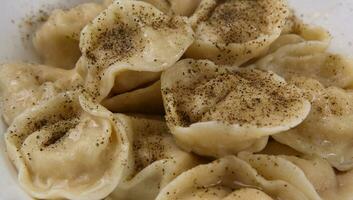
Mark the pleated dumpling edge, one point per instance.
(68, 147)
(215, 110)
(130, 38)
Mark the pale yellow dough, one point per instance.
(154, 161)
(24, 85)
(68, 147)
(327, 131)
(214, 110)
(233, 32)
(246, 177)
(57, 40)
(128, 45)
(180, 100)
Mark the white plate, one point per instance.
(334, 15)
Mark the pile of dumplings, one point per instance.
(181, 100)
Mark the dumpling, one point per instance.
(214, 110)
(309, 59)
(128, 45)
(327, 131)
(57, 40)
(68, 147)
(155, 159)
(250, 177)
(233, 31)
(24, 85)
(317, 171)
(143, 100)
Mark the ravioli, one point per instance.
(57, 40)
(247, 177)
(214, 110)
(235, 31)
(25, 85)
(128, 45)
(68, 147)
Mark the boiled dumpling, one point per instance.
(143, 100)
(214, 110)
(309, 59)
(128, 45)
(68, 147)
(57, 40)
(251, 177)
(327, 131)
(178, 7)
(155, 159)
(235, 31)
(24, 85)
